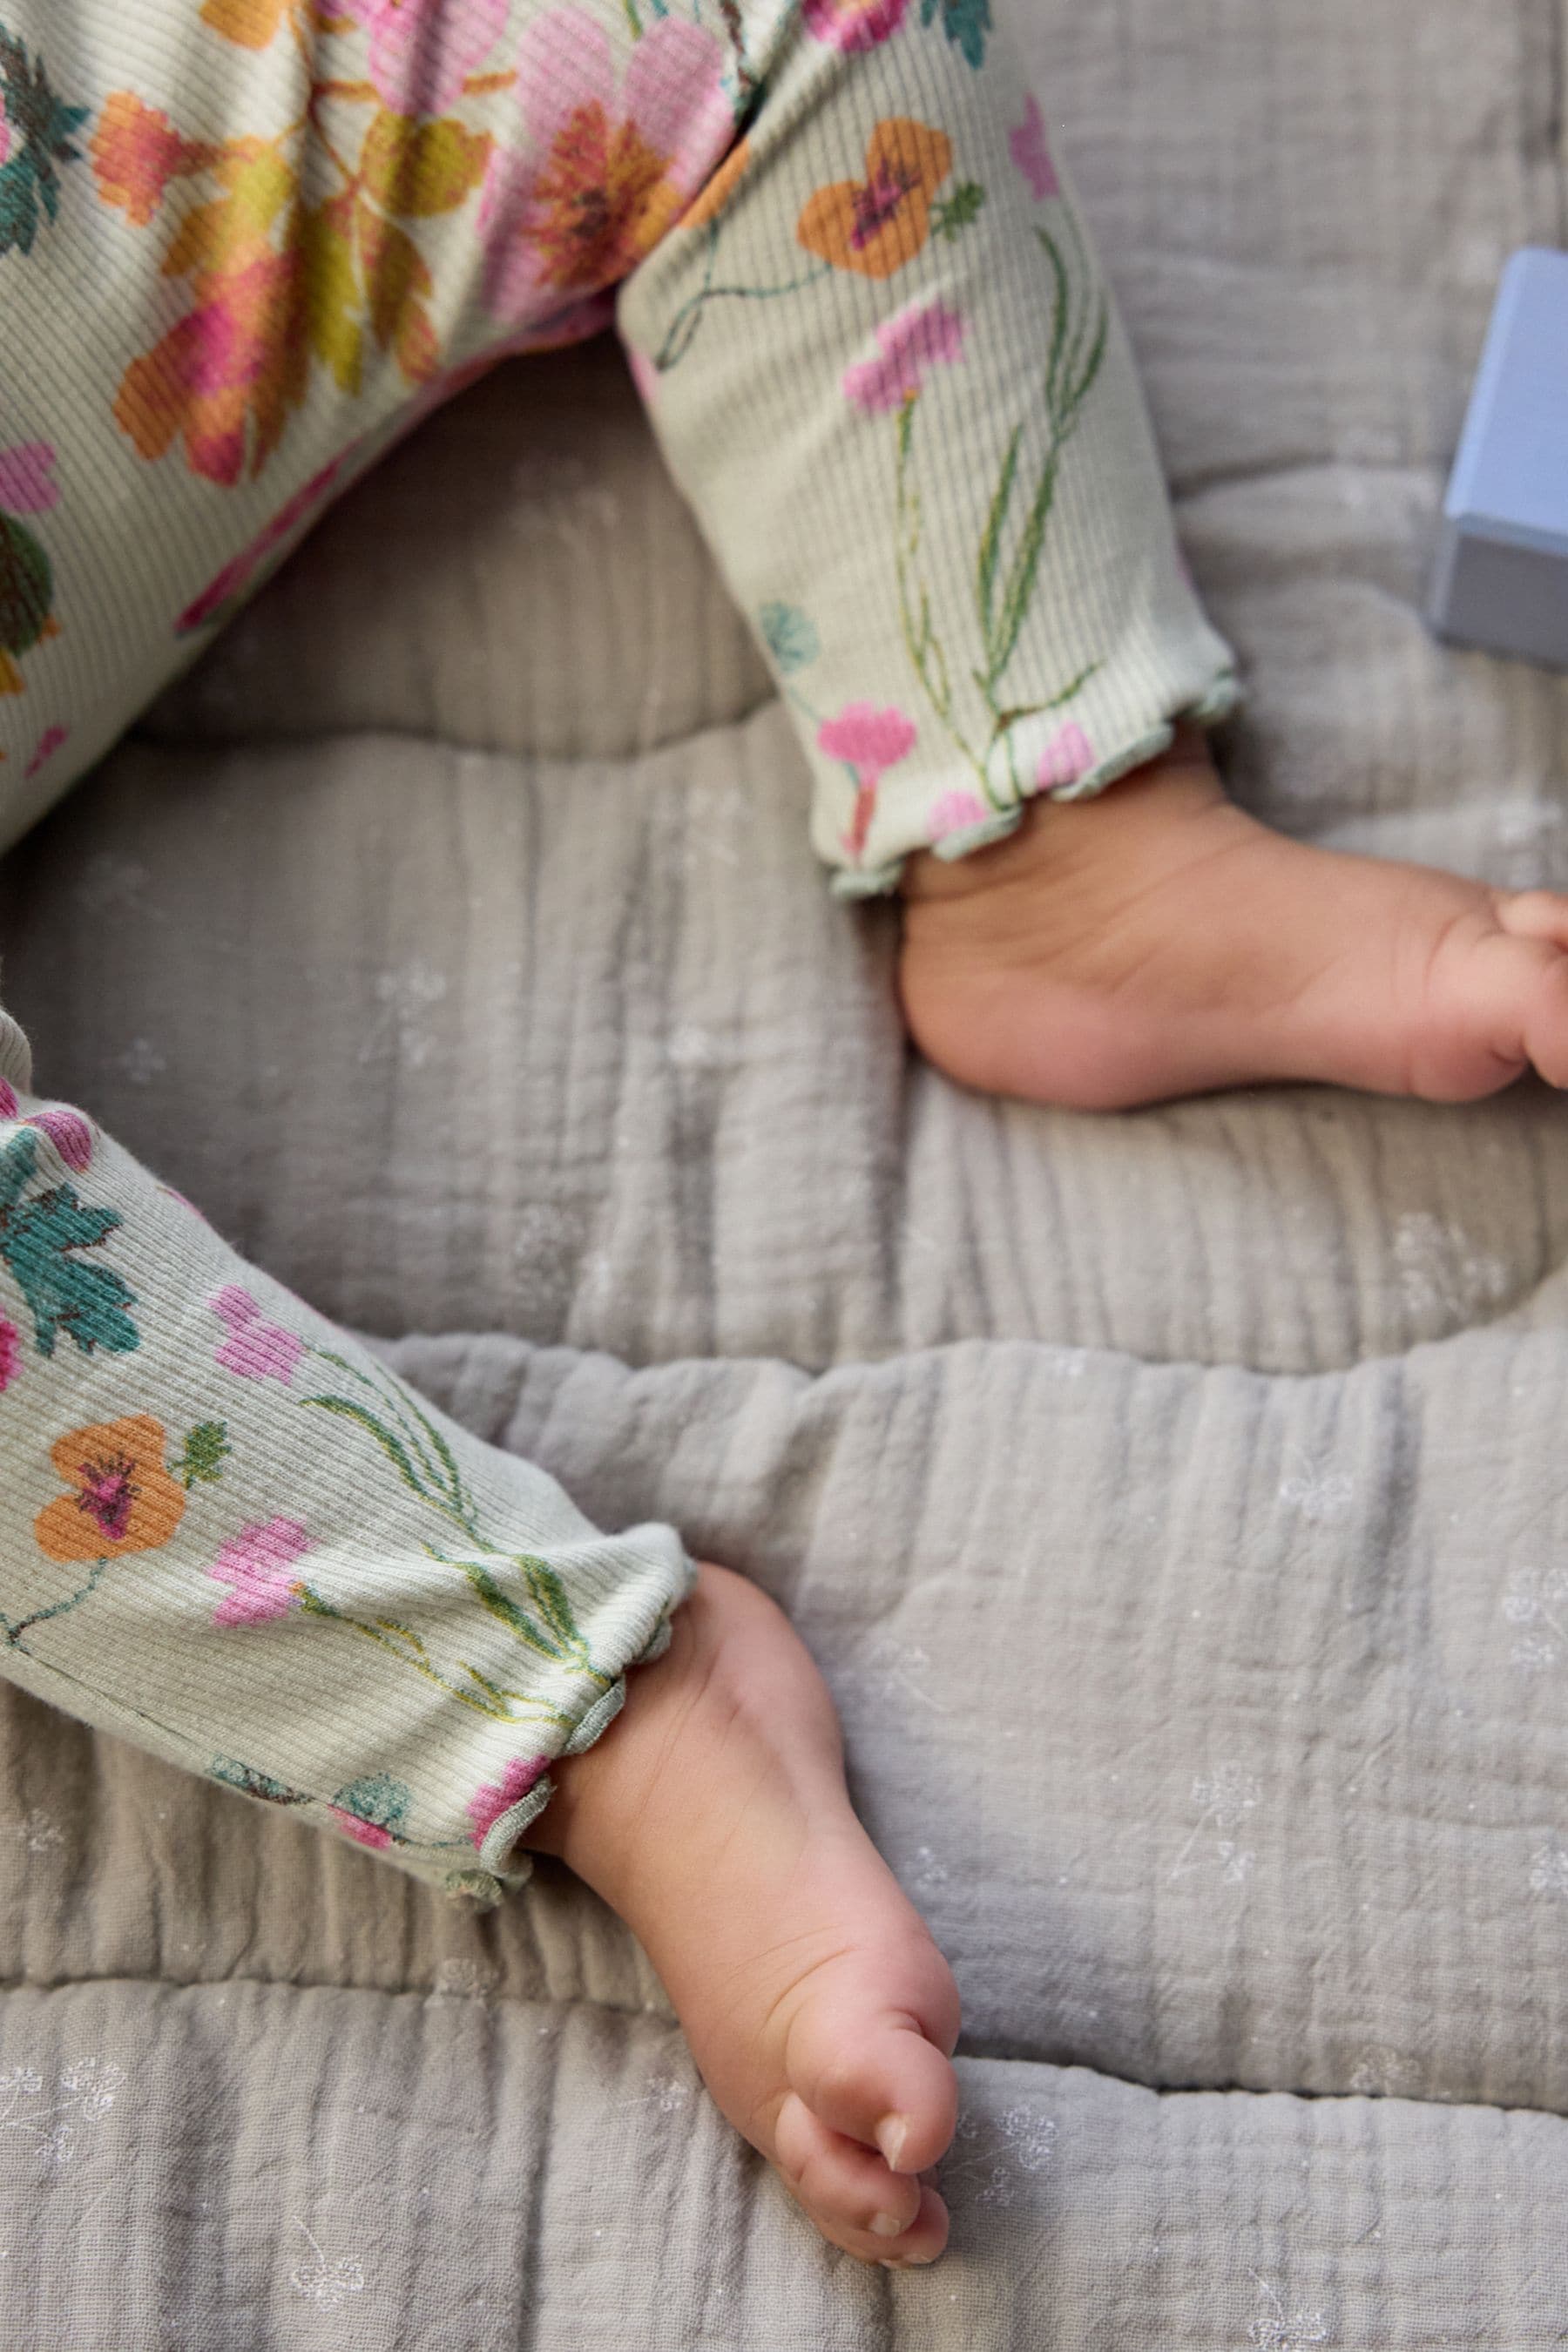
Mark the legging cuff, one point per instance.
(501, 1861)
(953, 824)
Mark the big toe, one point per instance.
(848, 2191)
(882, 2076)
(1512, 991)
(1534, 915)
(872, 2101)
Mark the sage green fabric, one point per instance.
(1213, 1451)
(233, 1536)
(245, 247)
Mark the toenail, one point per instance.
(887, 2225)
(891, 2134)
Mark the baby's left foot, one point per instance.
(714, 1816)
(1159, 942)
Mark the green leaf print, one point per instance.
(389, 1442)
(953, 214)
(407, 1436)
(965, 23)
(37, 1239)
(418, 1450)
(991, 540)
(41, 127)
(206, 1451)
(501, 1605)
(549, 1597)
(26, 587)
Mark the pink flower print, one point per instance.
(955, 811)
(66, 1129)
(257, 1563)
(254, 1348)
(27, 484)
(488, 1802)
(1069, 755)
(852, 24)
(922, 335)
(421, 51)
(44, 751)
(1028, 147)
(10, 1354)
(606, 172)
(357, 1826)
(68, 1132)
(868, 740)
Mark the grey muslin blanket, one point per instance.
(1177, 1503)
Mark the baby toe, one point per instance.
(1534, 915)
(850, 2194)
(1543, 1001)
(879, 2081)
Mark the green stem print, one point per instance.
(409, 1439)
(870, 228)
(682, 331)
(14, 1632)
(1006, 566)
(538, 1614)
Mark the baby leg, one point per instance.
(886, 365)
(231, 1536)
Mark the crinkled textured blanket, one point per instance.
(1177, 1503)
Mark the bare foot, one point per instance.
(715, 1818)
(1159, 942)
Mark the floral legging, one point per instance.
(244, 244)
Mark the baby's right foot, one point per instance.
(1159, 942)
(715, 1818)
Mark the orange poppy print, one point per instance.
(121, 1498)
(876, 224)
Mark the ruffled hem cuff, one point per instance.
(1225, 695)
(502, 1871)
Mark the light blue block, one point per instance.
(1501, 581)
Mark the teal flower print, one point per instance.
(374, 1809)
(965, 23)
(789, 636)
(36, 129)
(39, 1242)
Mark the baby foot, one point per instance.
(715, 1818)
(1159, 942)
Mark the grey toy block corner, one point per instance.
(1500, 582)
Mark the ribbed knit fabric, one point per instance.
(231, 1535)
(245, 246)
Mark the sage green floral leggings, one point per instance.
(245, 246)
